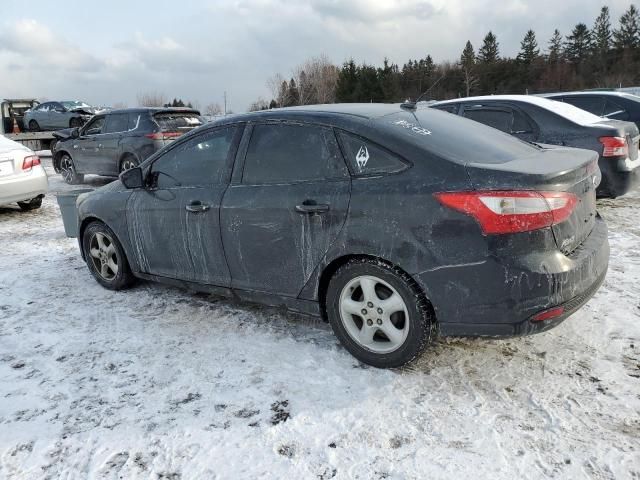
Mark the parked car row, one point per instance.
(395, 223)
(544, 121)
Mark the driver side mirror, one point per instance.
(75, 133)
(132, 178)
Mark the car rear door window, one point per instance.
(289, 153)
(134, 119)
(502, 119)
(116, 122)
(448, 108)
(614, 110)
(367, 158)
(201, 160)
(593, 105)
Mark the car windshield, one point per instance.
(69, 105)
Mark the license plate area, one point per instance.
(6, 167)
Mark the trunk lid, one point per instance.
(552, 170)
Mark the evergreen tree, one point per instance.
(529, 50)
(468, 64)
(628, 34)
(579, 44)
(555, 47)
(273, 104)
(347, 82)
(602, 32)
(293, 94)
(390, 82)
(489, 52)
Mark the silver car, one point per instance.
(58, 115)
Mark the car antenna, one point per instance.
(408, 105)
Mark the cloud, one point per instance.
(204, 48)
(35, 46)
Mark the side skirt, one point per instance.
(304, 307)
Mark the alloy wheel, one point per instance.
(66, 168)
(104, 256)
(374, 314)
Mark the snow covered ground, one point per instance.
(156, 382)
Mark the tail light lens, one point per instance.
(614, 147)
(163, 135)
(29, 162)
(548, 314)
(500, 212)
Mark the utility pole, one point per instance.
(225, 103)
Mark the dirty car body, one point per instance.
(402, 191)
(536, 119)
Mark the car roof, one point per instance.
(153, 110)
(596, 93)
(362, 110)
(565, 110)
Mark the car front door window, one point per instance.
(94, 127)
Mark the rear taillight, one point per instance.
(29, 162)
(500, 212)
(614, 147)
(548, 314)
(163, 135)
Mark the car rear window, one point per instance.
(456, 138)
(177, 121)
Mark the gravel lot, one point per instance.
(156, 382)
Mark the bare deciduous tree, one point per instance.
(259, 104)
(151, 99)
(213, 109)
(119, 105)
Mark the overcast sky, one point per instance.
(108, 52)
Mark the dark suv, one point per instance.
(376, 217)
(116, 141)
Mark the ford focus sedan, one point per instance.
(376, 217)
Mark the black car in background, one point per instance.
(540, 120)
(393, 224)
(608, 104)
(120, 139)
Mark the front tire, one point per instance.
(105, 257)
(33, 126)
(378, 313)
(75, 122)
(68, 170)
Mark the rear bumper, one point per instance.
(618, 177)
(23, 187)
(498, 297)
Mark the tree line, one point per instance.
(600, 56)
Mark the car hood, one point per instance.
(63, 134)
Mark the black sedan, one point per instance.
(381, 219)
(536, 119)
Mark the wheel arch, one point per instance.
(332, 267)
(56, 159)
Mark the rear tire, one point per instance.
(379, 313)
(32, 204)
(105, 257)
(68, 170)
(128, 162)
(33, 126)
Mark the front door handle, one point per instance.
(197, 206)
(311, 208)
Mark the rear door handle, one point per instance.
(312, 208)
(197, 206)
